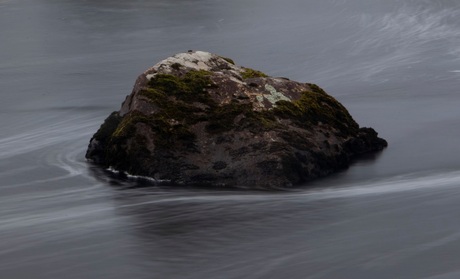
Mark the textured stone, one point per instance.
(196, 118)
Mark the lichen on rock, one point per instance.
(197, 118)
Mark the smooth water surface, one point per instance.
(65, 65)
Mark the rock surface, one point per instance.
(196, 118)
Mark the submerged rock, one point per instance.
(196, 118)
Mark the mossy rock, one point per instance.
(315, 107)
(198, 119)
(251, 73)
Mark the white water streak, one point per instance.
(395, 185)
(45, 136)
(404, 38)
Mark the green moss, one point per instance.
(125, 151)
(178, 110)
(258, 120)
(126, 126)
(315, 107)
(228, 60)
(189, 88)
(175, 97)
(176, 66)
(108, 127)
(315, 88)
(165, 134)
(222, 118)
(251, 73)
(169, 84)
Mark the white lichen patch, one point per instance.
(273, 96)
(195, 60)
(260, 100)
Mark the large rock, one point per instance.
(198, 119)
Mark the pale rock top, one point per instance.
(194, 60)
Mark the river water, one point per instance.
(65, 65)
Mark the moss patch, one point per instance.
(166, 134)
(108, 127)
(315, 88)
(315, 107)
(223, 117)
(189, 88)
(183, 112)
(228, 60)
(251, 73)
(257, 121)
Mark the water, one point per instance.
(65, 65)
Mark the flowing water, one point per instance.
(65, 65)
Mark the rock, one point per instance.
(197, 118)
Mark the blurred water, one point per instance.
(65, 65)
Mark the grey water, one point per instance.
(65, 65)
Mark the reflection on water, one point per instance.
(64, 66)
